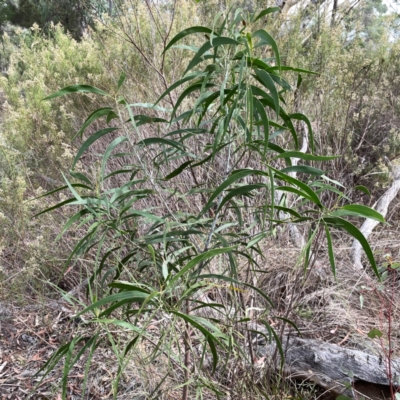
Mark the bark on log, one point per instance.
(336, 369)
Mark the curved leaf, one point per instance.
(305, 156)
(305, 188)
(240, 191)
(305, 169)
(180, 82)
(356, 234)
(186, 32)
(90, 141)
(266, 38)
(133, 296)
(358, 210)
(218, 41)
(108, 152)
(266, 12)
(161, 141)
(363, 189)
(145, 119)
(302, 117)
(267, 81)
(236, 175)
(106, 111)
(277, 340)
(77, 89)
(330, 251)
(178, 170)
(228, 279)
(197, 260)
(211, 339)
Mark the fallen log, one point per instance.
(336, 369)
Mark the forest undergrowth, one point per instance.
(183, 208)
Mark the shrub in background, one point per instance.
(39, 134)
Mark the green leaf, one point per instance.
(266, 38)
(303, 169)
(147, 215)
(266, 12)
(108, 152)
(62, 188)
(53, 360)
(74, 218)
(151, 106)
(304, 156)
(354, 231)
(256, 239)
(373, 333)
(310, 194)
(295, 191)
(302, 117)
(304, 71)
(228, 279)
(90, 141)
(121, 79)
(266, 80)
(133, 296)
(192, 88)
(288, 321)
(82, 177)
(93, 116)
(197, 260)
(58, 205)
(236, 175)
(358, 210)
(240, 191)
(131, 344)
(186, 32)
(77, 89)
(128, 286)
(145, 119)
(161, 141)
(178, 170)
(363, 189)
(189, 77)
(218, 41)
(330, 251)
(211, 339)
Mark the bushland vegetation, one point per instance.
(186, 232)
